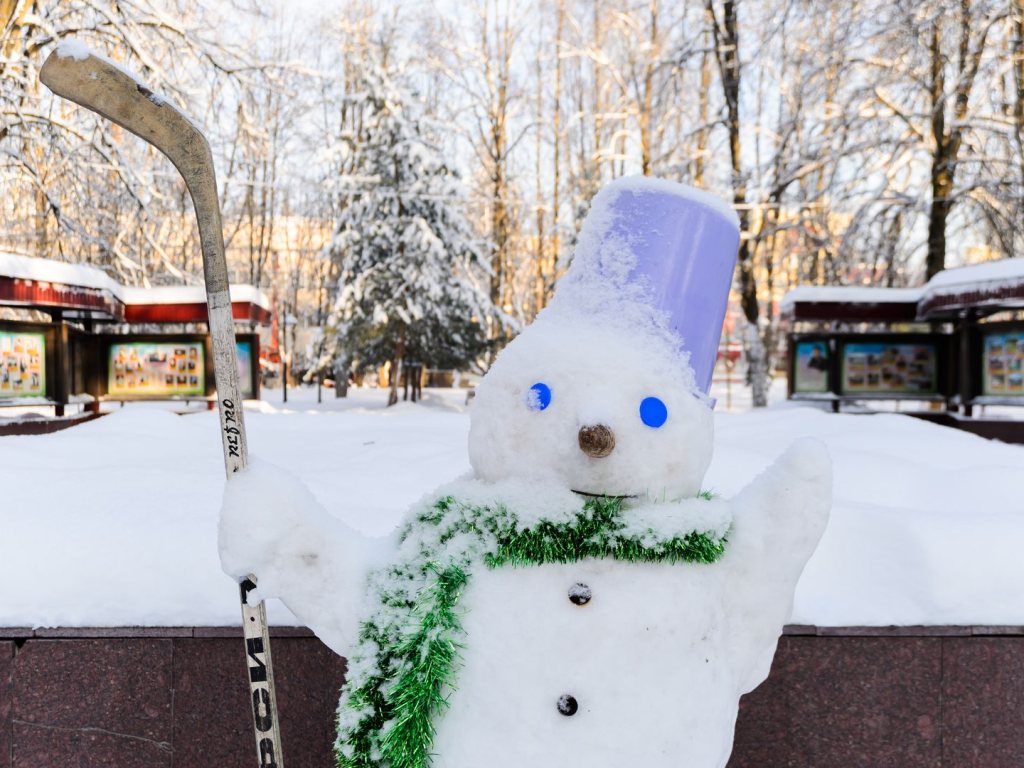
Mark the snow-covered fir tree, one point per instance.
(411, 271)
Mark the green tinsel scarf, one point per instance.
(408, 649)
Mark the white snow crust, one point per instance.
(190, 294)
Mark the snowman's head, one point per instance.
(606, 392)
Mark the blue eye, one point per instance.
(539, 396)
(653, 412)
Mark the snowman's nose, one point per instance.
(597, 441)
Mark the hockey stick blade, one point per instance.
(76, 74)
(103, 87)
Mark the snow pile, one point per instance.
(114, 522)
(924, 525)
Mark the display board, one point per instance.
(889, 368)
(22, 364)
(155, 369)
(812, 366)
(1002, 369)
(246, 379)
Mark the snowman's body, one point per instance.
(656, 660)
(657, 657)
(645, 660)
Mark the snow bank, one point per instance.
(115, 522)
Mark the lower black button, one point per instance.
(580, 594)
(567, 705)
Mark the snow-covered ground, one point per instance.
(114, 522)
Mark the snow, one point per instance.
(114, 522)
(993, 278)
(81, 275)
(58, 272)
(70, 48)
(191, 294)
(976, 275)
(847, 294)
(269, 514)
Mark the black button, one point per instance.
(580, 594)
(567, 705)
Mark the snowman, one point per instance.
(580, 600)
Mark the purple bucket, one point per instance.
(685, 241)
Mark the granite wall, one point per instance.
(946, 697)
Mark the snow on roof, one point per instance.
(84, 276)
(190, 294)
(844, 294)
(59, 272)
(976, 276)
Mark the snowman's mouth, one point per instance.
(605, 495)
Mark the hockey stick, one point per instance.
(77, 74)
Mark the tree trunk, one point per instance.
(1017, 10)
(396, 364)
(648, 95)
(726, 38)
(341, 366)
(941, 173)
(757, 365)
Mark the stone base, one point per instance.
(903, 697)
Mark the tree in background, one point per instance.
(412, 277)
(73, 187)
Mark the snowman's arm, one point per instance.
(272, 526)
(778, 520)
